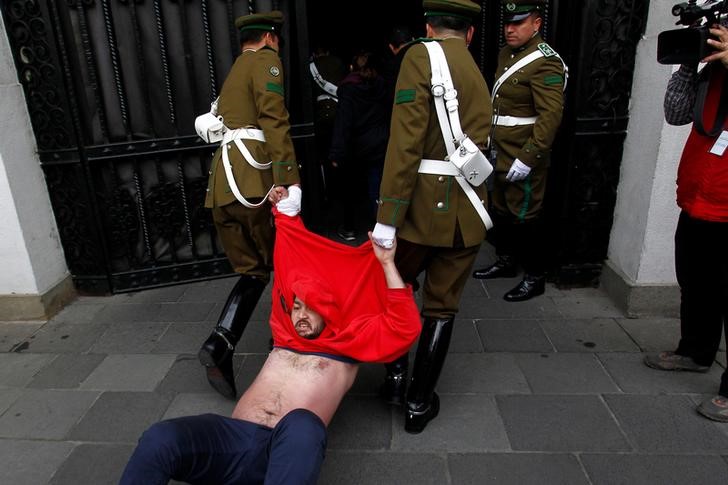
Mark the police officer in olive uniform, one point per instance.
(262, 162)
(528, 99)
(437, 227)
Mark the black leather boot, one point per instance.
(504, 267)
(529, 287)
(423, 404)
(394, 387)
(216, 354)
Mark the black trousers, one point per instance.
(701, 264)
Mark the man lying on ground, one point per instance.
(333, 306)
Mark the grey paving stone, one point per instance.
(560, 423)
(78, 312)
(182, 338)
(129, 313)
(513, 336)
(653, 334)
(189, 404)
(620, 469)
(361, 423)
(45, 414)
(634, 377)
(256, 338)
(215, 291)
(67, 371)
(474, 289)
(565, 373)
(8, 397)
(482, 373)
(666, 424)
(382, 468)
(369, 378)
(515, 469)
(167, 294)
(186, 375)
(108, 462)
(184, 312)
(120, 417)
(64, 338)
(16, 370)
(129, 338)
(11, 334)
(496, 307)
(30, 462)
(465, 423)
(129, 372)
(465, 338)
(587, 303)
(588, 335)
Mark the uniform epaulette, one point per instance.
(546, 49)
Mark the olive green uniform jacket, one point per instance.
(426, 209)
(252, 96)
(537, 89)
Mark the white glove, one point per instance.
(518, 171)
(291, 205)
(383, 235)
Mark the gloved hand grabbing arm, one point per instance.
(518, 171)
(291, 205)
(383, 235)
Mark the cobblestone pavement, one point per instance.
(548, 391)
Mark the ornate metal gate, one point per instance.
(113, 87)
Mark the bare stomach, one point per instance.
(291, 381)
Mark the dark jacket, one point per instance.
(361, 127)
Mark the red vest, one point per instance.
(702, 177)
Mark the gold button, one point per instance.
(441, 179)
(289, 168)
(207, 190)
(440, 205)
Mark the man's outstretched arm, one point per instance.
(386, 259)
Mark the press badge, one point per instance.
(720, 144)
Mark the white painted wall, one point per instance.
(31, 258)
(641, 244)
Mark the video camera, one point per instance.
(688, 45)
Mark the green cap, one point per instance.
(451, 8)
(517, 10)
(260, 21)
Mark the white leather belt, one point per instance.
(442, 167)
(243, 134)
(236, 137)
(515, 120)
(324, 97)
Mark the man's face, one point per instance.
(307, 323)
(518, 33)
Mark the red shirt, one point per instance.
(365, 320)
(702, 177)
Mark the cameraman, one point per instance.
(701, 238)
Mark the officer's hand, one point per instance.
(518, 171)
(384, 255)
(291, 205)
(383, 235)
(277, 194)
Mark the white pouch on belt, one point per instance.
(471, 162)
(210, 126)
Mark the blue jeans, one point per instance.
(216, 449)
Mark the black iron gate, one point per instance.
(113, 87)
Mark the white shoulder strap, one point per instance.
(323, 83)
(537, 54)
(446, 96)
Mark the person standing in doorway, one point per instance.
(253, 166)
(528, 101)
